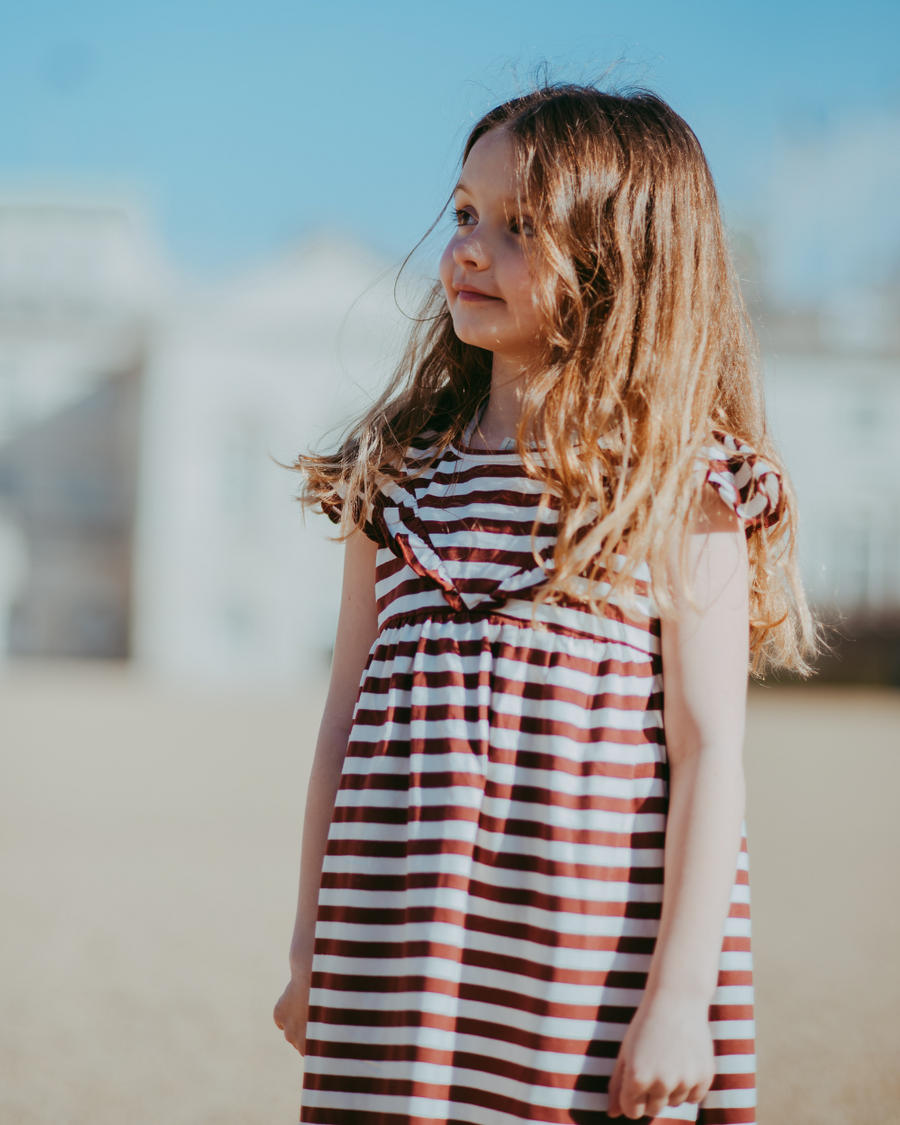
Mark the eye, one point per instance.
(462, 218)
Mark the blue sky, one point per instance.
(242, 126)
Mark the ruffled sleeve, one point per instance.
(376, 526)
(750, 486)
(373, 528)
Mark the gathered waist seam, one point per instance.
(498, 617)
(435, 613)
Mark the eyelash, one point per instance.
(460, 216)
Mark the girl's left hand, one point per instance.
(292, 1010)
(666, 1059)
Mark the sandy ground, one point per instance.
(148, 866)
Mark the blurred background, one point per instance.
(202, 211)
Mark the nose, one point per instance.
(470, 251)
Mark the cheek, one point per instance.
(526, 293)
(445, 270)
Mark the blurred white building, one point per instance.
(829, 274)
(836, 418)
(80, 289)
(143, 511)
(229, 583)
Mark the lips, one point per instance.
(470, 295)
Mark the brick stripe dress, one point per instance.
(493, 881)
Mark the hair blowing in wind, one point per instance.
(647, 353)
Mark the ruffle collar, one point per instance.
(438, 528)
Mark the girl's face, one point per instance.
(485, 269)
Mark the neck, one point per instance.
(501, 418)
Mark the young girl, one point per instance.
(524, 888)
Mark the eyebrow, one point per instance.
(462, 187)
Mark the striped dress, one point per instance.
(493, 881)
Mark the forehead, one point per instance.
(490, 165)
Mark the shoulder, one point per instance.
(742, 482)
(712, 514)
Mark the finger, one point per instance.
(281, 1011)
(649, 1097)
(632, 1100)
(698, 1093)
(678, 1096)
(615, 1086)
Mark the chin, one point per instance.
(469, 337)
(469, 334)
(476, 341)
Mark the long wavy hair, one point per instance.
(648, 349)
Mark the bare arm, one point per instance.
(357, 630)
(666, 1057)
